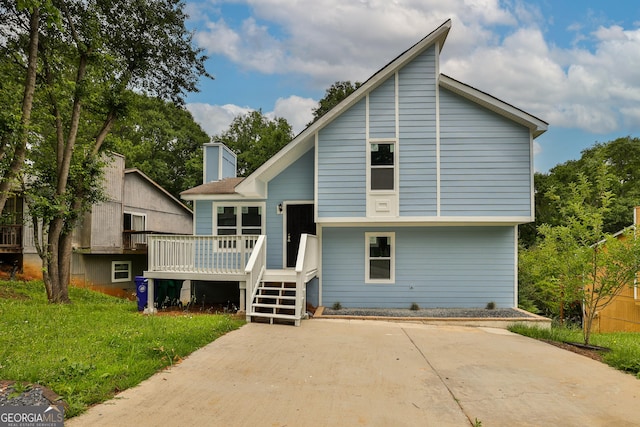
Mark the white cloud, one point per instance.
(296, 110)
(215, 119)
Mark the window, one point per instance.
(380, 254)
(120, 271)
(382, 166)
(227, 221)
(238, 220)
(135, 222)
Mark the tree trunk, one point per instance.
(27, 103)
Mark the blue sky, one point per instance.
(574, 64)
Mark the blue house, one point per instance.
(410, 190)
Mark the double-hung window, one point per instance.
(380, 257)
(383, 166)
(238, 220)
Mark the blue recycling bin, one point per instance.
(142, 289)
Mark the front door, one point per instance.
(299, 221)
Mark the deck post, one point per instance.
(150, 298)
(243, 296)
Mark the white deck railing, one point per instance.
(200, 254)
(255, 269)
(306, 269)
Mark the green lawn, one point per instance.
(98, 345)
(625, 346)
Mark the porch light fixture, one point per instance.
(280, 208)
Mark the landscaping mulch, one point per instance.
(483, 313)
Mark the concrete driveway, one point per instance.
(367, 373)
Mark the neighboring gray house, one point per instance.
(110, 243)
(410, 190)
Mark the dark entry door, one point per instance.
(299, 221)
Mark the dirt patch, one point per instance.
(8, 293)
(590, 353)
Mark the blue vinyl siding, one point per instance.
(228, 164)
(211, 172)
(341, 165)
(382, 110)
(203, 215)
(485, 161)
(434, 267)
(293, 184)
(417, 111)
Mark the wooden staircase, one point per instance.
(275, 298)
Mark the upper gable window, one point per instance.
(382, 166)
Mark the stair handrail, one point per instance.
(306, 267)
(256, 266)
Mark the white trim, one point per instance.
(438, 181)
(204, 163)
(240, 205)
(424, 221)
(316, 171)
(367, 259)
(396, 157)
(285, 204)
(319, 235)
(209, 197)
(532, 190)
(515, 266)
(113, 271)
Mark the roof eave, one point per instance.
(536, 125)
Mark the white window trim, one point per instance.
(239, 206)
(144, 215)
(113, 271)
(395, 165)
(367, 258)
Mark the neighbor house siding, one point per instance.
(203, 217)
(434, 267)
(162, 213)
(341, 165)
(293, 184)
(417, 111)
(485, 161)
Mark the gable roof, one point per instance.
(255, 185)
(157, 186)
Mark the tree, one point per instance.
(578, 260)
(89, 64)
(15, 132)
(162, 140)
(623, 157)
(255, 138)
(333, 96)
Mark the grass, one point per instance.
(95, 347)
(625, 346)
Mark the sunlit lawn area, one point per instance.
(98, 345)
(625, 346)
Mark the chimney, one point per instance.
(219, 162)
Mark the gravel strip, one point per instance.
(31, 397)
(430, 312)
